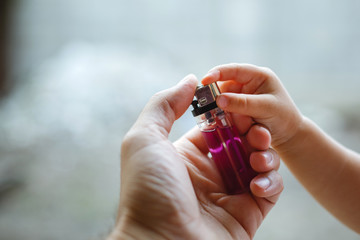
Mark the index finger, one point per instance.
(247, 74)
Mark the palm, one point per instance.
(242, 214)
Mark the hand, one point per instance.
(257, 92)
(173, 191)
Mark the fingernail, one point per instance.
(221, 101)
(268, 157)
(263, 182)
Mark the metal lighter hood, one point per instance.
(207, 94)
(205, 99)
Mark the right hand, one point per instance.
(258, 93)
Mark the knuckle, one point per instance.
(237, 102)
(268, 71)
(165, 104)
(233, 65)
(158, 97)
(130, 138)
(243, 102)
(136, 139)
(270, 74)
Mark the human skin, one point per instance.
(328, 170)
(173, 190)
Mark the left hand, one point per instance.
(173, 190)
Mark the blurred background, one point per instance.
(74, 75)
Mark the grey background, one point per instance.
(84, 70)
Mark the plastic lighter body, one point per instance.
(227, 148)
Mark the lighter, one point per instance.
(227, 148)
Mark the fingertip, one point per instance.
(260, 161)
(222, 101)
(268, 185)
(190, 78)
(259, 137)
(210, 77)
(262, 183)
(265, 161)
(242, 122)
(187, 86)
(259, 186)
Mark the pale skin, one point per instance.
(328, 170)
(173, 190)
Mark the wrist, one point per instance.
(128, 229)
(299, 136)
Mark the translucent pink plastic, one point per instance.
(231, 158)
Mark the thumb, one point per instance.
(168, 105)
(253, 105)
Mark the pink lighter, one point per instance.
(227, 148)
